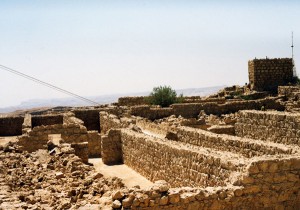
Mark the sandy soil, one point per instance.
(4, 140)
(129, 177)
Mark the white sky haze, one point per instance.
(113, 46)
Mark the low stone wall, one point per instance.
(94, 144)
(11, 126)
(246, 147)
(222, 129)
(90, 118)
(280, 127)
(112, 148)
(192, 110)
(151, 113)
(152, 127)
(178, 164)
(265, 184)
(288, 90)
(38, 120)
(198, 99)
(144, 100)
(133, 101)
(110, 121)
(26, 126)
(37, 138)
(82, 151)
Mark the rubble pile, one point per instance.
(51, 180)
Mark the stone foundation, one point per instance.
(272, 126)
(192, 110)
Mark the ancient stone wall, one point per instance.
(11, 126)
(111, 152)
(81, 150)
(38, 120)
(110, 121)
(178, 164)
(144, 100)
(192, 110)
(280, 127)
(265, 184)
(94, 144)
(26, 126)
(226, 143)
(90, 118)
(37, 138)
(268, 74)
(222, 129)
(288, 91)
(133, 101)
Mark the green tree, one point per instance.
(164, 96)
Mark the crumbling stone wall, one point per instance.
(268, 74)
(111, 121)
(144, 100)
(178, 164)
(288, 91)
(112, 148)
(90, 118)
(246, 147)
(192, 110)
(270, 183)
(11, 126)
(151, 113)
(133, 101)
(38, 120)
(26, 126)
(94, 144)
(81, 150)
(280, 127)
(222, 129)
(37, 138)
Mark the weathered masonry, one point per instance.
(268, 74)
(222, 171)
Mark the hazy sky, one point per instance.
(104, 47)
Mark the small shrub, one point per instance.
(164, 96)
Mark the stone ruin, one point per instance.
(206, 153)
(267, 74)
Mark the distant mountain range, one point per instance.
(103, 99)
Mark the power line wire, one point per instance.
(47, 84)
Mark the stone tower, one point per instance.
(268, 74)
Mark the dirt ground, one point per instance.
(128, 176)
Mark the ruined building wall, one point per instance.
(38, 120)
(280, 127)
(133, 101)
(192, 110)
(268, 74)
(266, 184)
(144, 100)
(111, 121)
(37, 138)
(227, 143)
(90, 118)
(174, 162)
(288, 91)
(11, 126)
(111, 145)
